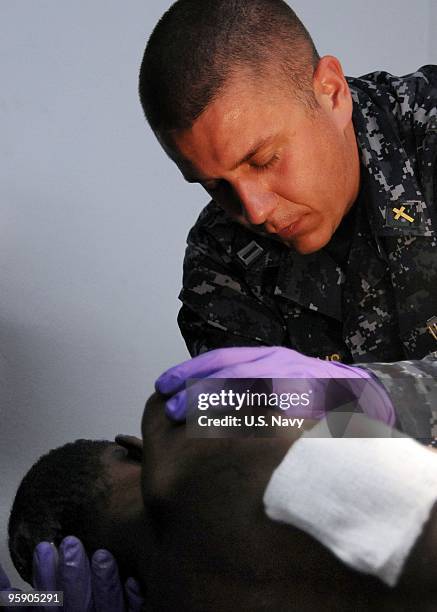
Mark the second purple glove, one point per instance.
(87, 587)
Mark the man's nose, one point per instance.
(257, 202)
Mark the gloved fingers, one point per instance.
(312, 391)
(5, 583)
(274, 361)
(45, 564)
(45, 561)
(135, 599)
(176, 406)
(106, 584)
(209, 365)
(74, 576)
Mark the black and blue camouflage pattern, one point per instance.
(375, 308)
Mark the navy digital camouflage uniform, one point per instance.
(370, 296)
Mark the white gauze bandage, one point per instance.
(366, 499)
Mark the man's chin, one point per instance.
(303, 248)
(300, 245)
(305, 244)
(293, 245)
(309, 242)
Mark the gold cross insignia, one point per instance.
(431, 325)
(400, 212)
(407, 216)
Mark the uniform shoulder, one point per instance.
(216, 236)
(385, 81)
(410, 89)
(412, 98)
(214, 226)
(212, 216)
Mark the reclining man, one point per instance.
(201, 541)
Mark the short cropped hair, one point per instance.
(64, 493)
(198, 45)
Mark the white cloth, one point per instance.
(366, 499)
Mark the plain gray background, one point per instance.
(93, 215)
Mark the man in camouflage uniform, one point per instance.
(371, 294)
(367, 295)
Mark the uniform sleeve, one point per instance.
(220, 308)
(412, 386)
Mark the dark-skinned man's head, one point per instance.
(87, 488)
(238, 97)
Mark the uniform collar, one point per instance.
(399, 208)
(312, 281)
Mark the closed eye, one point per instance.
(269, 164)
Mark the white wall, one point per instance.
(93, 216)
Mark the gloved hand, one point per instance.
(277, 363)
(94, 587)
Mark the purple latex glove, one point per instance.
(94, 587)
(275, 363)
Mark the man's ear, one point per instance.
(332, 90)
(132, 444)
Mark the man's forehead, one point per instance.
(248, 152)
(232, 113)
(229, 130)
(198, 151)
